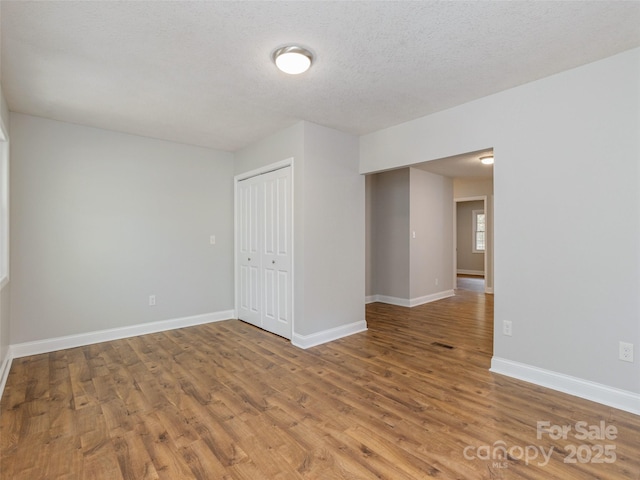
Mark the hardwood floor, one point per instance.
(474, 283)
(411, 398)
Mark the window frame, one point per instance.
(474, 227)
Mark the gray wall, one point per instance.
(329, 215)
(466, 258)
(431, 218)
(101, 220)
(472, 187)
(404, 201)
(334, 230)
(368, 222)
(5, 290)
(566, 147)
(390, 227)
(287, 143)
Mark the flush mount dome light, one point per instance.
(488, 160)
(293, 59)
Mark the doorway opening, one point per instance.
(471, 243)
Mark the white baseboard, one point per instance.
(412, 302)
(308, 341)
(4, 370)
(82, 339)
(370, 299)
(596, 392)
(401, 302)
(479, 273)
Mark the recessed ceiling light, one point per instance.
(293, 59)
(488, 160)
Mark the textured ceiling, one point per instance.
(201, 72)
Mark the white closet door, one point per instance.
(248, 252)
(276, 252)
(264, 247)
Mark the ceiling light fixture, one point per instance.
(293, 59)
(488, 160)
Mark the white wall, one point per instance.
(567, 152)
(329, 214)
(101, 220)
(431, 217)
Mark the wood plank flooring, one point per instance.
(411, 398)
(474, 283)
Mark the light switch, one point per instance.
(212, 239)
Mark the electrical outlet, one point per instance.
(152, 300)
(212, 239)
(626, 352)
(437, 282)
(507, 327)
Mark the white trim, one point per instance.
(370, 299)
(4, 370)
(475, 198)
(308, 341)
(414, 302)
(596, 392)
(410, 302)
(265, 169)
(82, 339)
(470, 272)
(474, 228)
(400, 302)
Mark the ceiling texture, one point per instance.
(200, 72)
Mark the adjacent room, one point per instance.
(319, 240)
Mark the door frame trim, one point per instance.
(262, 170)
(272, 167)
(489, 244)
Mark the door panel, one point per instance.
(276, 255)
(248, 252)
(284, 287)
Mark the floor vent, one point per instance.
(443, 345)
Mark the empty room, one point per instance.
(319, 240)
